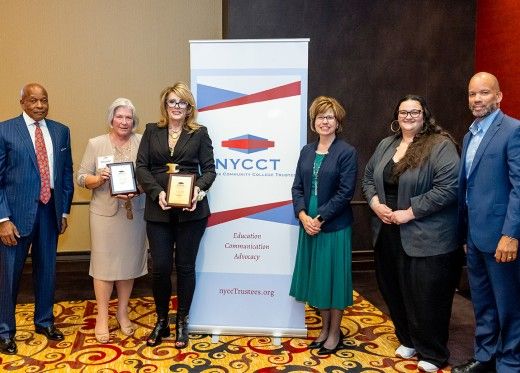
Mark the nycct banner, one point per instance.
(252, 96)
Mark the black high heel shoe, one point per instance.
(315, 344)
(181, 332)
(327, 351)
(160, 331)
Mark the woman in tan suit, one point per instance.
(117, 226)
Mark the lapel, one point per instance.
(181, 143)
(55, 146)
(465, 142)
(161, 137)
(25, 138)
(492, 130)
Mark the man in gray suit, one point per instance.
(36, 190)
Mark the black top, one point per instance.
(391, 185)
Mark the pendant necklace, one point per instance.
(172, 138)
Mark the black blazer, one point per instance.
(336, 184)
(194, 155)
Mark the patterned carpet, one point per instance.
(369, 346)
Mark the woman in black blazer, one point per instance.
(178, 139)
(323, 187)
(410, 183)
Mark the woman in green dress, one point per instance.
(322, 190)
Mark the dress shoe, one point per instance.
(181, 332)
(160, 331)
(128, 329)
(315, 344)
(51, 332)
(8, 346)
(475, 366)
(327, 351)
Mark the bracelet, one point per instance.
(510, 238)
(201, 195)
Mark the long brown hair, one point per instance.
(424, 141)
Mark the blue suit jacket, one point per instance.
(492, 190)
(336, 184)
(20, 177)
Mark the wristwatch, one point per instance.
(319, 218)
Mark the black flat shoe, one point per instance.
(160, 331)
(181, 332)
(51, 332)
(8, 346)
(315, 344)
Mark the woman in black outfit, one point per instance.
(178, 139)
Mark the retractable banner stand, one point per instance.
(252, 96)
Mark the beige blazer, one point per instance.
(102, 203)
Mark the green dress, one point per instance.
(322, 273)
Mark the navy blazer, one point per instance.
(336, 184)
(20, 176)
(194, 155)
(493, 187)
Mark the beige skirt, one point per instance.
(119, 247)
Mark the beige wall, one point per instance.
(87, 53)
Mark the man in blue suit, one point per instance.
(489, 205)
(36, 190)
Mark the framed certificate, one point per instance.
(122, 178)
(180, 190)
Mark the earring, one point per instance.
(394, 130)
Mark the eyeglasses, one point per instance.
(322, 118)
(179, 104)
(413, 113)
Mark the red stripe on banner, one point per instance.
(247, 144)
(225, 216)
(288, 90)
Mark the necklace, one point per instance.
(315, 170)
(173, 135)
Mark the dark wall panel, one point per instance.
(368, 54)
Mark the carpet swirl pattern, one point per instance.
(369, 345)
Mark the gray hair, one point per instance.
(122, 102)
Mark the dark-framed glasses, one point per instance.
(413, 113)
(323, 118)
(179, 104)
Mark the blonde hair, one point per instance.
(181, 90)
(323, 103)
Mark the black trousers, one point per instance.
(419, 294)
(165, 239)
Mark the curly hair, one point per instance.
(424, 141)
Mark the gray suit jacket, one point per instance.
(431, 191)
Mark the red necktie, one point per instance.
(43, 164)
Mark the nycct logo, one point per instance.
(247, 144)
